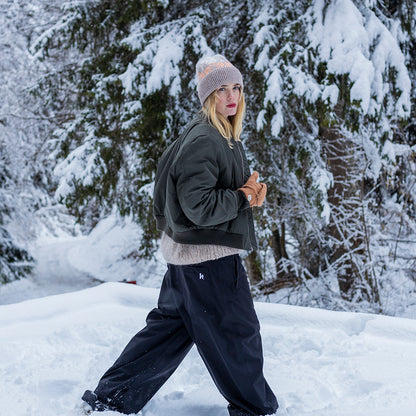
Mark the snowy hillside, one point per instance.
(318, 362)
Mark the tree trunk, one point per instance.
(347, 232)
(340, 163)
(253, 266)
(278, 244)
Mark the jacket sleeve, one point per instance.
(197, 172)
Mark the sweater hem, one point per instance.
(203, 236)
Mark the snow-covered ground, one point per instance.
(58, 337)
(318, 362)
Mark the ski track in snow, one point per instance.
(319, 363)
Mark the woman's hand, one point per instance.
(254, 191)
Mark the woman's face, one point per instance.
(228, 97)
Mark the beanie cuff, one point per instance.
(215, 79)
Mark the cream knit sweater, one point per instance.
(182, 254)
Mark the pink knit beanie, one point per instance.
(214, 71)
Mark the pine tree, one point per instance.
(328, 86)
(15, 262)
(26, 179)
(395, 196)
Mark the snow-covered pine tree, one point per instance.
(394, 242)
(337, 82)
(25, 128)
(15, 261)
(328, 87)
(109, 149)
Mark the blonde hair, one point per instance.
(230, 127)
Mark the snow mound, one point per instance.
(318, 362)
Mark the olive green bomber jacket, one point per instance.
(196, 200)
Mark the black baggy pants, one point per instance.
(208, 304)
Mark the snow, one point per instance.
(320, 363)
(128, 78)
(160, 58)
(305, 85)
(331, 93)
(359, 44)
(164, 65)
(392, 150)
(274, 95)
(80, 164)
(103, 254)
(324, 181)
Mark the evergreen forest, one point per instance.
(93, 91)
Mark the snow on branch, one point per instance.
(360, 45)
(38, 47)
(158, 62)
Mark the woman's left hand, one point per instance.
(261, 195)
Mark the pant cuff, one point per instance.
(234, 411)
(92, 399)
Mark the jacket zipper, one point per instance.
(250, 232)
(242, 162)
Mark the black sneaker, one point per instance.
(92, 400)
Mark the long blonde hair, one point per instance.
(230, 127)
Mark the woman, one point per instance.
(202, 203)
